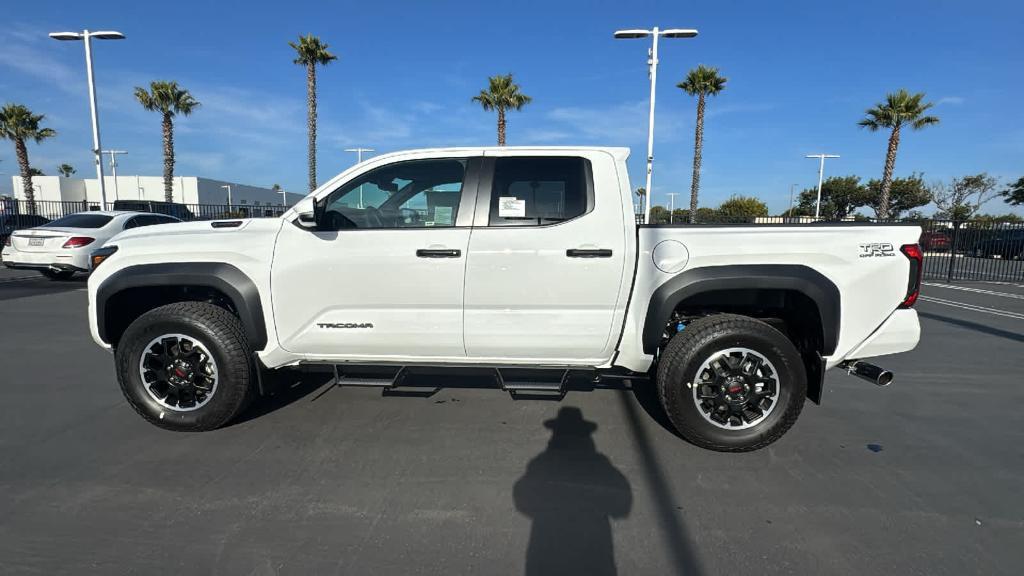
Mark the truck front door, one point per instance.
(545, 275)
(382, 275)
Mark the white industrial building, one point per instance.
(186, 189)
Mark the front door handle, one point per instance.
(588, 253)
(438, 253)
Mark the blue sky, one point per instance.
(800, 76)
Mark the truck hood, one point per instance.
(197, 232)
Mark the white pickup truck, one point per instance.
(524, 261)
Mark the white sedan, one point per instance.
(60, 248)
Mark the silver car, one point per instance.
(61, 248)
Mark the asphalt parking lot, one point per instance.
(923, 477)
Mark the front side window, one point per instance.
(532, 191)
(413, 194)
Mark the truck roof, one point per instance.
(618, 152)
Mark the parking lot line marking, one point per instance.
(974, 308)
(977, 290)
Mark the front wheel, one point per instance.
(731, 383)
(186, 366)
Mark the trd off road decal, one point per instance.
(876, 249)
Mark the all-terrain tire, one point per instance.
(702, 338)
(221, 333)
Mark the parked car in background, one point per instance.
(179, 211)
(61, 248)
(935, 241)
(13, 221)
(1007, 244)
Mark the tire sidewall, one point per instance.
(214, 413)
(768, 342)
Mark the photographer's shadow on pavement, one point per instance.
(571, 491)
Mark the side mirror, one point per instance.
(307, 216)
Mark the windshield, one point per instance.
(80, 221)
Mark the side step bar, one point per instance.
(518, 382)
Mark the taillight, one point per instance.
(916, 257)
(78, 241)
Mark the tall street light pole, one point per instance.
(87, 37)
(821, 173)
(359, 160)
(113, 167)
(228, 186)
(672, 205)
(791, 187)
(652, 68)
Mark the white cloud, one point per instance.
(955, 100)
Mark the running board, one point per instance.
(383, 378)
(531, 383)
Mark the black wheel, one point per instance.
(731, 383)
(186, 366)
(57, 274)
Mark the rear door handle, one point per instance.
(438, 253)
(588, 253)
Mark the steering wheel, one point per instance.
(373, 217)
(338, 221)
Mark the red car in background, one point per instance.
(934, 241)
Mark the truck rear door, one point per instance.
(546, 263)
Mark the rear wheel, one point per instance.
(186, 366)
(731, 383)
(57, 274)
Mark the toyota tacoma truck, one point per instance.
(526, 262)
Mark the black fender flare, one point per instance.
(225, 278)
(822, 291)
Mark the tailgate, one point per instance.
(40, 240)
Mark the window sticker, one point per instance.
(511, 207)
(442, 215)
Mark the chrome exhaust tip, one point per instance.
(55, 269)
(870, 372)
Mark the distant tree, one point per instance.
(311, 52)
(18, 124)
(900, 109)
(1008, 218)
(915, 215)
(1014, 194)
(659, 215)
(169, 100)
(904, 194)
(963, 196)
(702, 81)
(502, 94)
(66, 170)
(704, 215)
(36, 172)
(740, 208)
(840, 197)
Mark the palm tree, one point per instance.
(900, 109)
(310, 51)
(170, 100)
(66, 170)
(18, 123)
(502, 94)
(700, 82)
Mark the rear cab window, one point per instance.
(540, 190)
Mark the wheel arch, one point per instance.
(705, 283)
(134, 290)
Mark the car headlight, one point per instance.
(99, 256)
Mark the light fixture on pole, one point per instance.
(652, 63)
(821, 173)
(113, 167)
(672, 205)
(359, 160)
(87, 37)
(228, 186)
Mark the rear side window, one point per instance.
(532, 191)
(80, 221)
